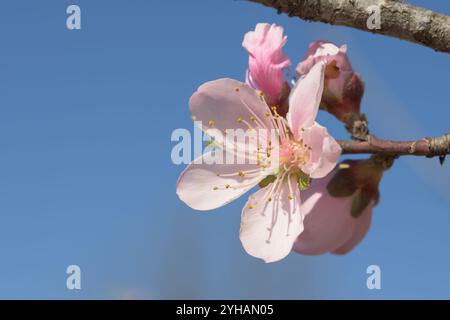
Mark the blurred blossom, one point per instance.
(338, 208)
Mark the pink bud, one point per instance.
(344, 88)
(267, 60)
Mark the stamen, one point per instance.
(253, 114)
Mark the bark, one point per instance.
(398, 19)
(429, 147)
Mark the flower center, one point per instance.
(294, 154)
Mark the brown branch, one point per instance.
(429, 147)
(398, 19)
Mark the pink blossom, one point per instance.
(266, 60)
(272, 219)
(329, 225)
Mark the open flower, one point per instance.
(267, 61)
(344, 88)
(302, 149)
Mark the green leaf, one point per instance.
(267, 180)
(360, 202)
(303, 181)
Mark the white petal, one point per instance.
(269, 228)
(305, 98)
(204, 186)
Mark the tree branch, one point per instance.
(398, 19)
(429, 147)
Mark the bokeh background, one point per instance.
(86, 176)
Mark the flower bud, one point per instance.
(343, 88)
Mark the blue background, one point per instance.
(86, 176)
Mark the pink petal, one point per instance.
(228, 104)
(305, 99)
(269, 228)
(317, 51)
(266, 59)
(324, 51)
(328, 223)
(197, 183)
(361, 228)
(325, 151)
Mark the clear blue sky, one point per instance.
(86, 176)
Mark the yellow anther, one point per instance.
(261, 94)
(269, 199)
(241, 174)
(194, 118)
(211, 123)
(227, 186)
(216, 188)
(267, 114)
(250, 206)
(252, 118)
(237, 89)
(239, 120)
(344, 166)
(290, 197)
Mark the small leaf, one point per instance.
(267, 180)
(342, 184)
(360, 202)
(304, 181)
